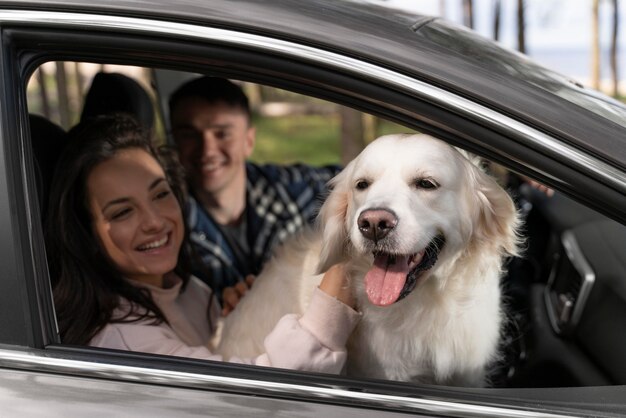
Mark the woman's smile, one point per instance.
(136, 217)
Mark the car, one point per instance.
(564, 348)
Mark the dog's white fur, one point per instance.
(446, 330)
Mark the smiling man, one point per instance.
(238, 211)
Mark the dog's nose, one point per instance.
(375, 224)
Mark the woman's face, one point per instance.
(136, 217)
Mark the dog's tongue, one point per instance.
(386, 278)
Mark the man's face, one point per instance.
(214, 140)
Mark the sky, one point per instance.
(558, 32)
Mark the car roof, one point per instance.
(423, 47)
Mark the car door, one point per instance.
(130, 382)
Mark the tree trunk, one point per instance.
(521, 27)
(352, 134)
(80, 88)
(255, 96)
(370, 128)
(614, 49)
(64, 102)
(468, 13)
(497, 7)
(43, 91)
(595, 45)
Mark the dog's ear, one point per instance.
(497, 220)
(331, 220)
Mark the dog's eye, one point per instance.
(427, 184)
(362, 184)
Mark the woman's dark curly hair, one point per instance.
(87, 287)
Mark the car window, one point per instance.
(562, 273)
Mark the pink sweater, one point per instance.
(299, 343)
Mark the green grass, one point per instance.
(309, 139)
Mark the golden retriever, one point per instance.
(425, 233)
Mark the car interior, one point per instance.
(565, 297)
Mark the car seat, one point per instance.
(118, 93)
(48, 141)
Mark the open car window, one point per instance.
(553, 292)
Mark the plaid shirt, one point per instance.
(280, 200)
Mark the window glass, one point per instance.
(565, 242)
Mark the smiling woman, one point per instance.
(120, 260)
(93, 233)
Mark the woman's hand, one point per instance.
(336, 283)
(233, 294)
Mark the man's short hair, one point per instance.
(213, 90)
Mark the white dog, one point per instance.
(424, 232)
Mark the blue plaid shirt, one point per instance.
(280, 200)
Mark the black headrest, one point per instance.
(48, 141)
(117, 93)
